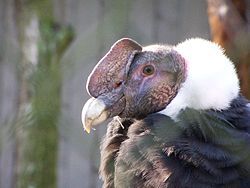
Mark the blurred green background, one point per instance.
(48, 48)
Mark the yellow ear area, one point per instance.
(111, 69)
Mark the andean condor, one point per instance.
(179, 119)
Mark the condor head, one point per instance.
(133, 81)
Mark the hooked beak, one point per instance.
(109, 71)
(94, 112)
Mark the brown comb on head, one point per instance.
(110, 71)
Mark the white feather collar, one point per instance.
(211, 83)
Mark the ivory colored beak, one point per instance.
(93, 113)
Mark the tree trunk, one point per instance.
(228, 24)
(42, 42)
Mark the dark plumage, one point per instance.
(158, 152)
(162, 138)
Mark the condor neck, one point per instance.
(211, 81)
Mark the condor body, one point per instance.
(180, 120)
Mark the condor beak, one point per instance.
(94, 112)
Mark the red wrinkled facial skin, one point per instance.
(147, 94)
(110, 71)
(121, 82)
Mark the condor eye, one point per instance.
(148, 70)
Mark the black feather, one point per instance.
(201, 149)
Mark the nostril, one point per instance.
(117, 84)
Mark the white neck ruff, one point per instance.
(211, 82)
